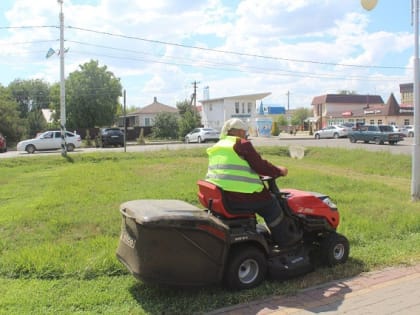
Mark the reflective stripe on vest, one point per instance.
(231, 167)
(233, 177)
(229, 171)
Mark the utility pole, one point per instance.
(125, 123)
(415, 168)
(62, 85)
(195, 94)
(288, 117)
(415, 182)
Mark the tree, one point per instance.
(55, 104)
(165, 126)
(347, 92)
(189, 118)
(91, 97)
(282, 120)
(36, 122)
(31, 95)
(300, 115)
(11, 126)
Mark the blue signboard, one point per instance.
(264, 127)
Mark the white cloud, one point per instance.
(302, 39)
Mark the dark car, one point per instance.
(111, 136)
(3, 147)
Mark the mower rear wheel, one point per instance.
(335, 249)
(246, 268)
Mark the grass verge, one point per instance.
(59, 225)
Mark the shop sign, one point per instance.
(372, 111)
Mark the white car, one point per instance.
(395, 128)
(202, 135)
(50, 140)
(407, 130)
(332, 132)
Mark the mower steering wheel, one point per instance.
(271, 183)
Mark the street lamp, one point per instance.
(415, 177)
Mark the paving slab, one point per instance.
(394, 290)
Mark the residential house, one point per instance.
(144, 117)
(335, 109)
(390, 113)
(214, 112)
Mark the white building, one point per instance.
(216, 111)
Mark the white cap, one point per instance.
(233, 123)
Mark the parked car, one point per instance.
(3, 145)
(398, 130)
(332, 132)
(202, 135)
(379, 134)
(111, 136)
(353, 126)
(349, 125)
(407, 130)
(50, 140)
(395, 128)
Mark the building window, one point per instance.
(147, 122)
(237, 107)
(249, 108)
(243, 108)
(210, 107)
(379, 121)
(407, 98)
(371, 122)
(406, 122)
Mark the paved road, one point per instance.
(404, 147)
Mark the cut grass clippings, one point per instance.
(60, 225)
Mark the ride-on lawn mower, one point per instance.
(172, 242)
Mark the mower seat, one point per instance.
(212, 197)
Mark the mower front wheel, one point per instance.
(335, 249)
(246, 268)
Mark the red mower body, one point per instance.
(312, 204)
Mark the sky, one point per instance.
(295, 49)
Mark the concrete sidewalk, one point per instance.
(390, 291)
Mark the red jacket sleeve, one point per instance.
(246, 150)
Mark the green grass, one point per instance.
(60, 223)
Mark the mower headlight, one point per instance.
(329, 203)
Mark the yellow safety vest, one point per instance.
(229, 171)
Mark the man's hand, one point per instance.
(283, 170)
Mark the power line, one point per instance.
(27, 27)
(233, 52)
(214, 65)
(29, 42)
(210, 49)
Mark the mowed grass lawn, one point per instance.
(60, 225)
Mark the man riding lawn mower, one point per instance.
(172, 242)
